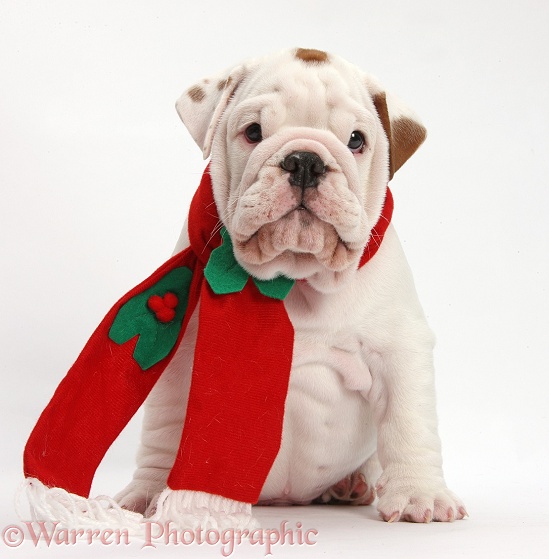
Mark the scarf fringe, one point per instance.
(183, 509)
(53, 504)
(188, 510)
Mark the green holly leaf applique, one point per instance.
(226, 275)
(156, 316)
(276, 288)
(223, 272)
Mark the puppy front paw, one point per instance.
(138, 495)
(417, 500)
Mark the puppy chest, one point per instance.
(327, 434)
(342, 355)
(327, 410)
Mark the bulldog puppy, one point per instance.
(302, 147)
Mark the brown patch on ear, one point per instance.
(380, 103)
(408, 135)
(196, 93)
(404, 134)
(311, 55)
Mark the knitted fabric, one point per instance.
(242, 362)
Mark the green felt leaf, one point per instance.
(226, 275)
(276, 288)
(223, 272)
(156, 339)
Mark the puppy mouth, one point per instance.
(306, 216)
(299, 238)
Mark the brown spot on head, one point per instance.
(311, 55)
(196, 93)
(222, 84)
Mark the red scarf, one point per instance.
(242, 364)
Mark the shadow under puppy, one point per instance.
(282, 352)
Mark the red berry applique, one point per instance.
(156, 319)
(163, 307)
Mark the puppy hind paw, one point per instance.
(352, 490)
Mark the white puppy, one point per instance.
(303, 145)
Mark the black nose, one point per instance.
(304, 167)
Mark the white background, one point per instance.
(96, 173)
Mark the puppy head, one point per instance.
(303, 145)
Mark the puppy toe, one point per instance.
(361, 493)
(134, 503)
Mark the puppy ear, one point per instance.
(403, 128)
(201, 106)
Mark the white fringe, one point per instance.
(182, 508)
(54, 504)
(196, 509)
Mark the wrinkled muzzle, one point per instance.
(299, 203)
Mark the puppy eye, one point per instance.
(356, 142)
(253, 133)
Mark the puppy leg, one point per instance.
(412, 485)
(165, 410)
(358, 488)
